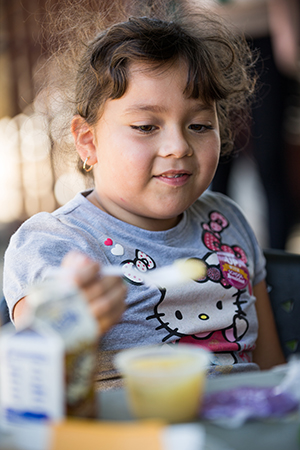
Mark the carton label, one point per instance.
(32, 371)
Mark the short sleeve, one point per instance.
(40, 243)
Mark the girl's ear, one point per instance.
(83, 135)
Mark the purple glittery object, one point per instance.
(249, 402)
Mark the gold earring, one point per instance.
(89, 168)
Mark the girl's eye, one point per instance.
(143, 128)
(199, 128)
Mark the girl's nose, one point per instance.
(175, 144)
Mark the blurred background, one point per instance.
(30, 182)
(263, 178)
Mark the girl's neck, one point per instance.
(146, 223)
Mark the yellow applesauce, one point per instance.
(169, 387)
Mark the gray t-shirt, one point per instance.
(216, 312)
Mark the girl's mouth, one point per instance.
(174, 178)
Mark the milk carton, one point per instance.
(61, 306)
(47, 367)
(31, 375)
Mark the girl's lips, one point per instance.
(174, 178)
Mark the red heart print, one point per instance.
(108, 242)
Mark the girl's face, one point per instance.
(156, 150)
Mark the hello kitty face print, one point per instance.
(209, 312)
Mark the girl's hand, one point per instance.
(105, 295)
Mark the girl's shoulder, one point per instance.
(76, 206)
(60, 224)
(79, 203)
(217, 207)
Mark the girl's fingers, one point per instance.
(75, 259)
(112, 301)
(105, 296)
(80, 268)
(108, 308)
(100, 286)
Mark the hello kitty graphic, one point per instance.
(207, 305)
(208, 312)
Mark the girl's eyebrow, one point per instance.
(145, 107)
(198, 107)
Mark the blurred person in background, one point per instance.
(273, 28)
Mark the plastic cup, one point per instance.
(164, 382)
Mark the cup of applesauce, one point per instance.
(164, 382)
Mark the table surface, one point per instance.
(272, 434)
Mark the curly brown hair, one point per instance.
(220, 63)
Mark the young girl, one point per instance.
(156, 103)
